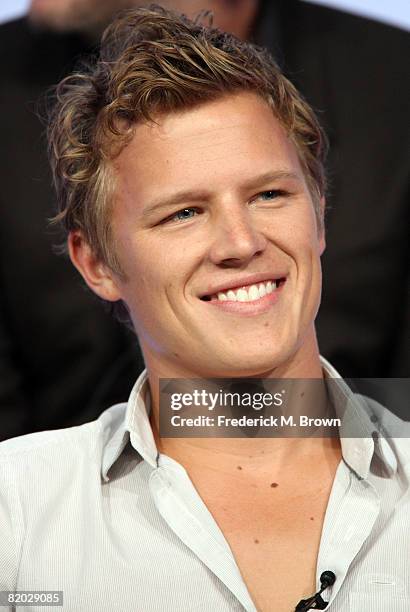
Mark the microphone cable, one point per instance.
(316, 602)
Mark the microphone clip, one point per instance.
(316, 602)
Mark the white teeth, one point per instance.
(252, 293)
(242, 295)
(262, 290)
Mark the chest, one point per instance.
(275, 546)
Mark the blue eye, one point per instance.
(271, 194)
(182, 215)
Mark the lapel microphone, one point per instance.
(316, 602)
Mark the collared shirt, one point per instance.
(96, 512)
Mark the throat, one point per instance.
(254, 462)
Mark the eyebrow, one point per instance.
(192, 195)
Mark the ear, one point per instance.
(96, 274)
(322, 237)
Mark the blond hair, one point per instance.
(155, 61)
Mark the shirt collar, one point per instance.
(359, 438)
(130, 423)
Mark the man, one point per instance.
(190, 182)
(52, 380)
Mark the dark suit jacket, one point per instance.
(354, 72)
(63, 359)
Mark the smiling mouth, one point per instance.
(248, 293)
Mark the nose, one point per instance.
(236, 237)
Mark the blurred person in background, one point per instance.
(50, 377)
(55, 338)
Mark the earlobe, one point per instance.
(96, 274)
(322, 241)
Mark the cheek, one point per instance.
(306, 241)
(153, 281)
(300, 245)
(293, 227)
(304, 226)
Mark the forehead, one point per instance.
(215, 145)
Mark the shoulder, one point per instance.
(47, 476)
(15, 42)
(38, 468)
(61, 449)
(46, 442)
(338, 19)
(10, 29)
(36, 59)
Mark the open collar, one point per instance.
(359, 439)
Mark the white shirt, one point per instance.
(97, 512)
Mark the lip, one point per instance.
(242, 281)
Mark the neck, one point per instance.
(223, 453)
